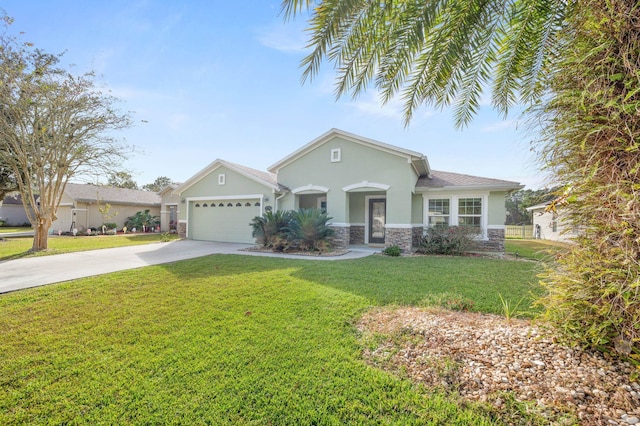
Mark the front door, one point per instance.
(377, 213)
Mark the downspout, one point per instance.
(275, 202)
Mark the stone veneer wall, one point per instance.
(416, 236)
(356, 235)
(495, 242)
(401, 237)
(341, 237)
(182, 229)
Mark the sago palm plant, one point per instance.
(269, 229)
(310, 229)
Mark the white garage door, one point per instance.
(223, 220)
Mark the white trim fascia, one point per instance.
(358, 224)
(340, 225)
(324, 138)
(225, 197)
(366, 184)
(61, 205)
(500, 227)
(418, 225)
(423, 189)
(171, 204)
(310, 187)
(398, 226)
(538, 207)
(182, 221)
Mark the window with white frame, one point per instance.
(438, 212)
(470, 212)
(336, 155)
(222, 179)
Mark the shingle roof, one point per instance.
(108, 194)
(441, 179)
(13, 199)
(265, 176)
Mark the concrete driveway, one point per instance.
(36, 271)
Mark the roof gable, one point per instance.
(448, 180)
(419, 161)
(263, 178)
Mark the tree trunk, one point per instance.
(41, 235)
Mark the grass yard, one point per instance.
(541, 250)
(230, 339)
(9, 229)
(14, 248)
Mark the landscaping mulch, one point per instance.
(483, 357)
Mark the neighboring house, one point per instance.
(12, 211)
(551, 225)
(376, 194)
(81, 204)
(169, 208)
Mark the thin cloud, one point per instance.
(394, 109)
(499, 126)
(288, 38)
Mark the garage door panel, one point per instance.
(223, 220)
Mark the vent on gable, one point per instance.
(336, 155)
(222, 179)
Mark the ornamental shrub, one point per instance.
(454, 240)
(269, 229)
(309, 230)
(393, 251)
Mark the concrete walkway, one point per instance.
(36, 271)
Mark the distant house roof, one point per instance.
(538, 206)
(106, 194)
(448, 180)
(12, 199)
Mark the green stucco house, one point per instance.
(377, 194)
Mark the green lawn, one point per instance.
(14, 248)
(534, 249)
(8, 229)
(231, 339)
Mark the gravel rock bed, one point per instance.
(338, 252)
(481, 355)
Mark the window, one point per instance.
(336, 155)
(470, 212)
(439, 212)
(222, 179)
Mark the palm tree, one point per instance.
(436, 52)
(576, 63)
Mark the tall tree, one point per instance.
(7, 181)
(575, 62)
(122, 179)
(592, 142)
(158, 185)
(53, 126)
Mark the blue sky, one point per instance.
(221, 79)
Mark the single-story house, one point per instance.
(551, 225)
(81, 204)
(12, 211)
(376, 193)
